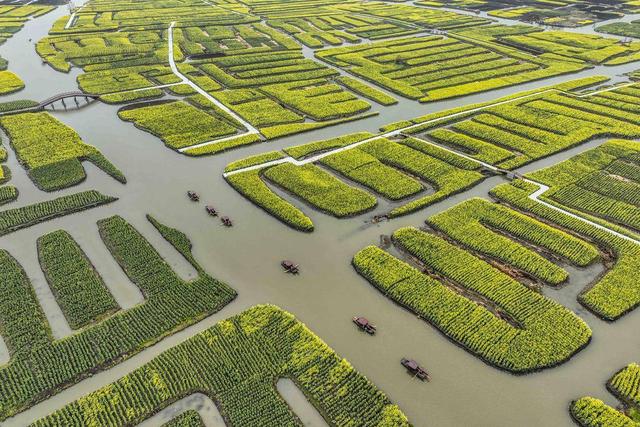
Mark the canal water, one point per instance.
(464, 391)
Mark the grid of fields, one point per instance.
(437, 67)
(41, 365)
(406, 173)
(439, 222)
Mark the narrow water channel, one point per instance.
(328, 293)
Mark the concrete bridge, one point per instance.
(68, 100)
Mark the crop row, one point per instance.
(51, 365)
(179, 124)
(251, 186)
(432, 68)
(616, 292)
(321, 189)
(510, 135)
(367, 170)
(237, 363)
(591, 412)
(17, 218)
(76, 285)
(489, 229)
(51, 151)
(189, 418)
(599, 182)
(499, 320)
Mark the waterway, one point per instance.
(464, 391)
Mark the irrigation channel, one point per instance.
(463, 390)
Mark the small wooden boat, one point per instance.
(193, 196)
(211, 210)
(364, 325)
(417, 371)
(226, 221)
(290, 267)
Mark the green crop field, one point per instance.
(52, 151)
(592, 412)
(236, 362)
(446, 191)
(604, 182)
(170, 304)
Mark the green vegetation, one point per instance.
(254, 160)
(431, 164)
(250, 185)
(431, 68)
(488, 229)
(9, 83)
(15, 219)
(616, 292)
(603, 182)
(138, 95)
(321, 190)
(625, 29)
(560, 13)
(585, 47)
(474, 304)
(76, 285)
(591, 412)
(513, 134)
(51, 151)
(305, 150)
(179, 124)
(236, 363)
(367, 91)
(625, 384)
(220, 146)
(41, 366)
(331, 26)
(367, 170)
(189, 418)
(16, 105)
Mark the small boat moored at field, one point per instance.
(290, 267)
(417, 371)
(193, 196)
(226, 221)
(211, 210)
(364, 325)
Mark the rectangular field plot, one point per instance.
(419, 16)
(237, 363)
(437, 67)
(52, 152)
(586, 47)
(180, 124)
(105, 337)
(476, 271)
(408, 174)
(515, 133)
(603, 182)
(337, 27)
